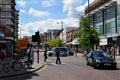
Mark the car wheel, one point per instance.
(114, 66)
(95, 65)
(87, 63)
(64, 55)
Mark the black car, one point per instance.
(100, 59)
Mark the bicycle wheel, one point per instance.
(24, 65)
(17, 66)
(6, 67)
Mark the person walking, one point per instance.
(28, 56)
(31, 57)
(76, 51)
(45, 55)
(58, 57)
(2, 54)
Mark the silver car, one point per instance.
(52, 52)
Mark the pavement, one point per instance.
(12, 73)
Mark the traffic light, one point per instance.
(36, 37)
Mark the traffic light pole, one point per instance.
(36, 38)
(38, 53)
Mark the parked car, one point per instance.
(63, 51)
(70, 51)
(99, 59)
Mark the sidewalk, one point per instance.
(118, 59)
(35, 67)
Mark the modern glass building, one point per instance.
(105, 15)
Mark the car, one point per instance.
(63, 51)
(100, 59)
(70, 51)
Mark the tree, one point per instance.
(88, 36)
(56, 42)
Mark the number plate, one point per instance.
(107, 64)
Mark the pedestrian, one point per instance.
(2, 54)
(58, 57)
(28, 56)
(108, 50)
(31, 56)
(76, 51)
(45, 54)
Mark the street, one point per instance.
(72, 68)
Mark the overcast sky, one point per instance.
(40, 15)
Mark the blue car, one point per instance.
(100, 59)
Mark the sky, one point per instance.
(41, 15)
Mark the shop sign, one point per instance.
(103, 41)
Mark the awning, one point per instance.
(75, 41)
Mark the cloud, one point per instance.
(22, 11)
(22, 3)
(74, 7)
(48, 3)
(43, 25)
(80, 8)
(38, 13)
(70, 5)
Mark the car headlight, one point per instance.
(98, 61)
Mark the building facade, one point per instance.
(9, 19)
(105, 15)
(71, 34)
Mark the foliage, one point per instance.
(88, 36)
(56, 42)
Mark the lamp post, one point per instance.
(20, 29)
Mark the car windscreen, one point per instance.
(62, 49)
(69, 49)
(101, 54)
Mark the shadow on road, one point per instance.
(21, 77)
(108, 68)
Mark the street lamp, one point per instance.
(61, 27)
(20, 29)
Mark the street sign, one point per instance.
(103, 41)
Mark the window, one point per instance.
(110, 20)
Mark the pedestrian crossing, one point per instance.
(53, 63)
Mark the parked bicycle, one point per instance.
(14, 65)
(1, 66)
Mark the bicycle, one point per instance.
(1, 66)
(14, 65)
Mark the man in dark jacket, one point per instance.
(58, 57)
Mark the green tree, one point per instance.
(88, 36)
(56, 42)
